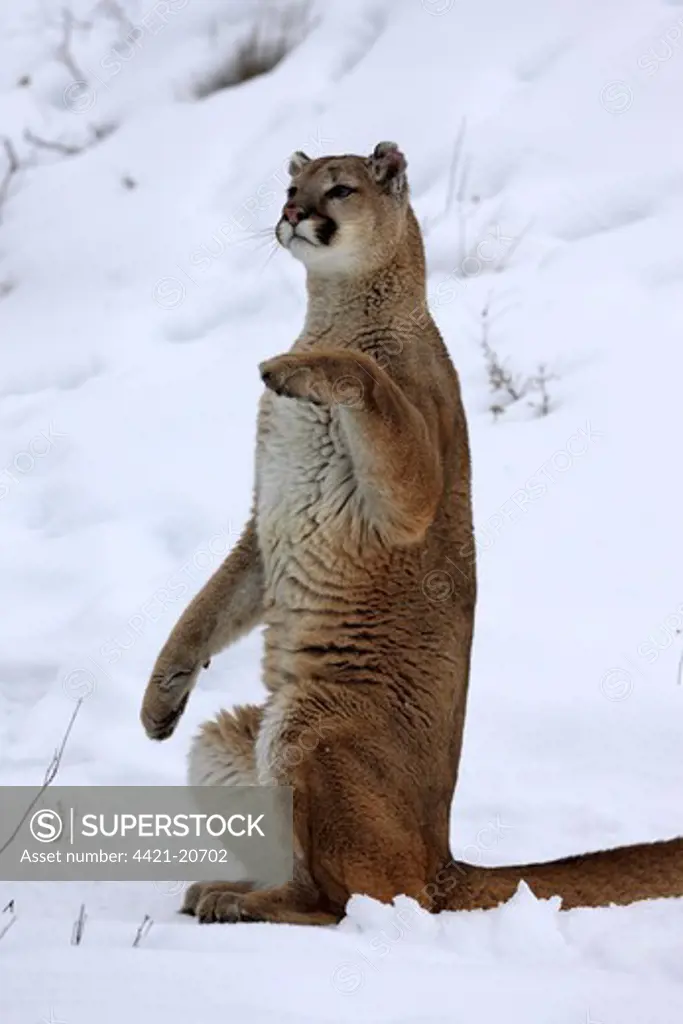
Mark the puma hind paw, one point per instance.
(213, 901)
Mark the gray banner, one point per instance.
(140, 833)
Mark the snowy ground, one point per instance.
(136, 300)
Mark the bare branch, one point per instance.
(512, 249)
(540, 383)
(143, 930)
(64, 52)
(11, 169)
(53, 144)
(12, 919)
(500, 378)
(452, 187)
(79, 927)
(112, 9)
(50, 775)
(506, 386)
(455, 163)
(97, 133)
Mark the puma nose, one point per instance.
(293, 213)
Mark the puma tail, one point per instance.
(622, 875)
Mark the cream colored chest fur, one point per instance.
(305, 488)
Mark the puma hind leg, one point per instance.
(225, 753)
(222, 754)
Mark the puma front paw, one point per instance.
(319, 377)
(290, 375)
(168, 690)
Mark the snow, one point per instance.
(132, 320)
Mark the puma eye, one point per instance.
(340, 192)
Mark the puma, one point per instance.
(358, 561)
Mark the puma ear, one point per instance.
(388, 165)
(297, 162)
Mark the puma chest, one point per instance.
(304, 478)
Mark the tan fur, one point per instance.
(623, 875)
(358, 560)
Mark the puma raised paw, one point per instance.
(319, 377)
(291, 376)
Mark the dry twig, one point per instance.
(68, 149)
(50, 776)
(11, 169)
(64, 52)
(12, 918)
(79, 927)
(97, 133)
(507, 386)
(143, 930)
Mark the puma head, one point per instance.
(345, 214)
